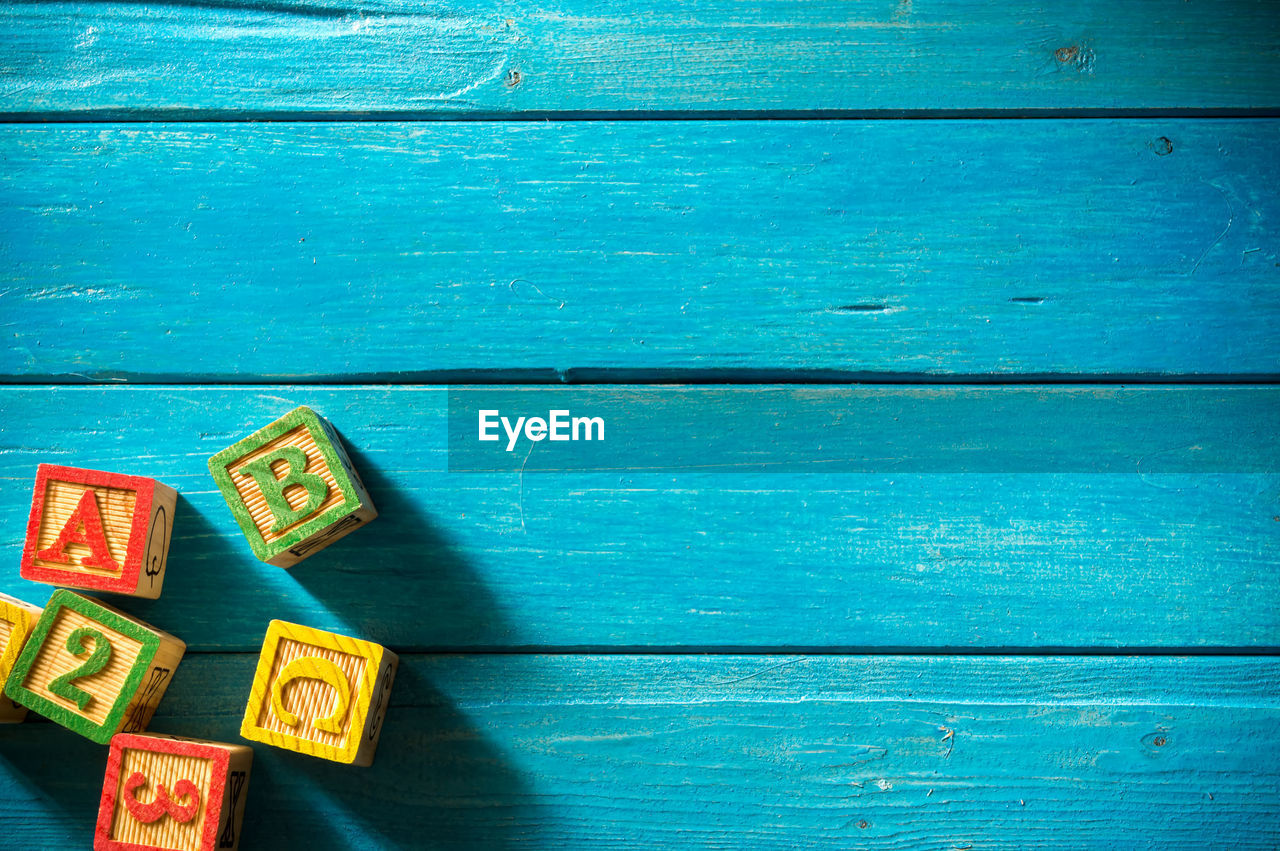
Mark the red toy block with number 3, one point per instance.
(99, 531)
(164, 793)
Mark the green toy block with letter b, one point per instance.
(292, 488)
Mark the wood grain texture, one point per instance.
(695, 560)
(462, 58)
(732, 752)
(413, 251)
(973, 248)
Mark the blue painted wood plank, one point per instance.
(466, 58)
(736, 752)
(677, 558)
(426, 251)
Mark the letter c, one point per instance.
(313, 668)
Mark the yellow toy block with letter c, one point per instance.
(319, 693)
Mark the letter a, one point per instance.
(273, 488)
(88, 518)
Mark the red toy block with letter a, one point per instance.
(100, 531)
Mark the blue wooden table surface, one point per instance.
(1048, 235)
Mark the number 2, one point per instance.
(63, 686)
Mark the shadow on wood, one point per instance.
(50, 783)
(408, 546)
(437, 781)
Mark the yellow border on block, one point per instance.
(22, 621)
(260, 693)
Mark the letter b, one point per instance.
(273, 489)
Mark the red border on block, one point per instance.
(127, 582)
(102, 840)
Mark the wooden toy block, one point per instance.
(319, 693)
(16, 622)
(165, 793)
(92, 668)
(292, 488)
(99, 531)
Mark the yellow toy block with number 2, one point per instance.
(319, 693)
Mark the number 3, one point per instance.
(63, 686)
(163, 803)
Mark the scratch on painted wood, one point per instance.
(757, 673)
(1231, 217)
(520, 499)
(515, 281)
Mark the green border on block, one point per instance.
(15, 689)
(301, 415)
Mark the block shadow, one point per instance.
(53, 777)
(211, 577)
(401, 570)
(437, 781)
